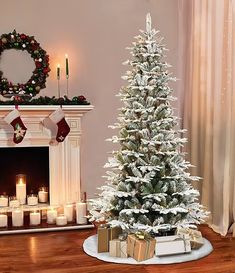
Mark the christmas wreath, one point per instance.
(37, 81)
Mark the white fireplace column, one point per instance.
(64, 158)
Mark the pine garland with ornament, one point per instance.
(77, 100)
(32, 87)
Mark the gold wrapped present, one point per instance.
(118, 248)
(105, 234)
(196, 239)
(140, 246)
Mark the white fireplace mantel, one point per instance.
(64, 157)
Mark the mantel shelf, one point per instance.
(79, 108)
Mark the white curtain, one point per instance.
(207, 70)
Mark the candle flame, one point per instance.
(58, 65)
(21, 181)
(66, 56)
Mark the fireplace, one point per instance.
(32, 161)
(44, 161)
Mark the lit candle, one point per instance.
(58, 71)
(32, 199)
(21, 188)
(3, 220)
(3, 200)
(61, 220)
(43, 195)
(51, 215)
(81, 209)
(13, 202)
(17, 217)
(68, 212)
(34, 218)
(67, 65)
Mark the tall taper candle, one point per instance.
(58, 79)
(67, 65)
(58, 71)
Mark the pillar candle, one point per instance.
(43, 195)
(13, 202)
(81, 209)
(3, 200)
(17, 217)
(34, 218)
(51, 216)
(61, 220)
(3, 220)
(21, 188)
(68, 212)
(32, 199)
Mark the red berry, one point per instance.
(23, 36)
(38, 64)
(46, 70)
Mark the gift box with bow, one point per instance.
(195, 236)
(140, 246)
(170, 245)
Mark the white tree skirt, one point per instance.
(90, 247)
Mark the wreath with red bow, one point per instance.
(37, 81)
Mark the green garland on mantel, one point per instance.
(77, 100)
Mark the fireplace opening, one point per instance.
(31, 161)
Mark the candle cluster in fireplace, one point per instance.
(60, 216)
(37, 215)
(21, 196)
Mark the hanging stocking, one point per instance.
(14, 119)
(63, 128)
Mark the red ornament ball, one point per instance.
(38, 64)
(46, 70)
(81, 98)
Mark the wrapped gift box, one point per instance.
(118, 248)
(170, 245)
(195, 236)
(140, 249)
(105, 234)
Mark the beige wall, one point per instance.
(94, 33)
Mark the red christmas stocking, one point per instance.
(63, 128)
(14, 119)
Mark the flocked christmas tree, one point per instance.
(148, 184)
